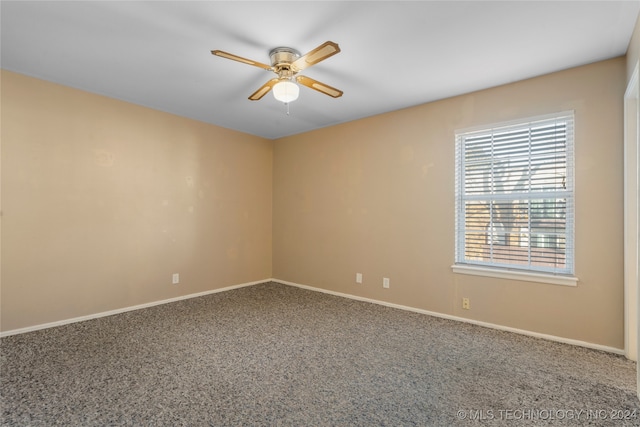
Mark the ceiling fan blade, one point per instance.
(227, 55)
(320, 87)
(318, 54)
(263, 90)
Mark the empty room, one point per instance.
(363, 213)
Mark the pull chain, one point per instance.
(287, 105)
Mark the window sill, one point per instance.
(516, 275)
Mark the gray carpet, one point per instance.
(274, 355)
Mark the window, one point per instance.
(514, 196)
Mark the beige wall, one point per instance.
(103, 200)
(633, 52)
(376, 196)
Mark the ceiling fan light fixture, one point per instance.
(286, 91)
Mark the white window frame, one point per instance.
(530, 273)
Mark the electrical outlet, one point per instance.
(466, 304)
(385, 282)
(358, 277)
(175, 279)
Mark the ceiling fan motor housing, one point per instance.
(281, 59)
(283, 55)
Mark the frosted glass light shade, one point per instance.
(286, 91)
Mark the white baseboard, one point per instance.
(125, 309)
(311, 288)
(461, 319)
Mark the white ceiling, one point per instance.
(394, 54)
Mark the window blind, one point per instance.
(514, 195)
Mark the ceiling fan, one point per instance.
(287, 63)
